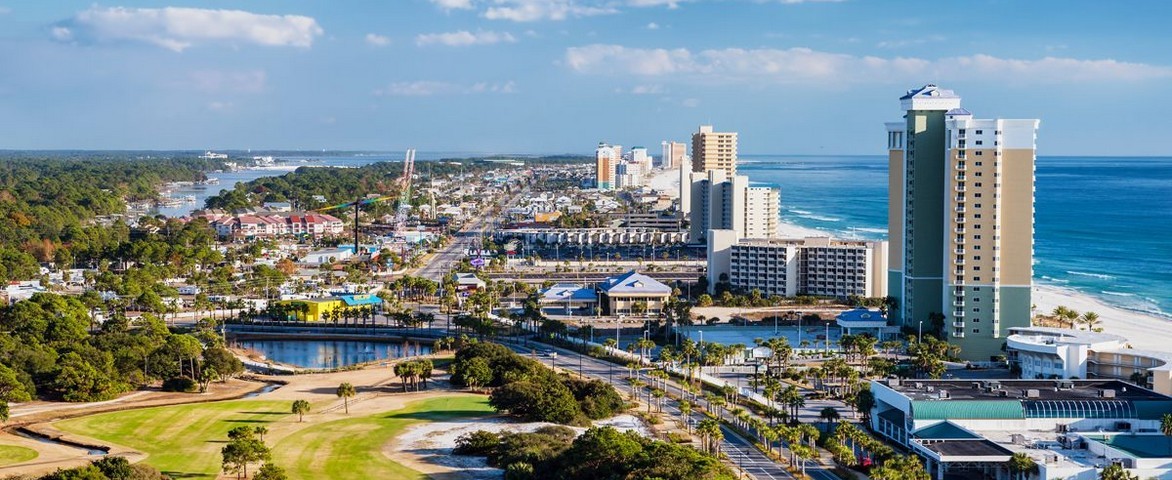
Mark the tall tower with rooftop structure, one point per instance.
(960, 221)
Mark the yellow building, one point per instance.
(318, 309)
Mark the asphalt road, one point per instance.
(740, 451)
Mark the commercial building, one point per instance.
(1071, 428)
(714, 151)
(640, 157)
(820, 266)
(569, 299)
(1044, 352)
(320, 309)
(606, 159)
(961, 220)
(723, 202)
(629, 174)
(674, 155)
(269, 224)
(633, 293)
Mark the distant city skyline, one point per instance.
(559, 76)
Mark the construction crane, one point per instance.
(404, 196)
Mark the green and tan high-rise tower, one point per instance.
(960, 221)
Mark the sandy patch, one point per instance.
(427, 447)
(1142, 331)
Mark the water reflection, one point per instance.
(330, 353)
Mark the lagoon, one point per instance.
(329, 353)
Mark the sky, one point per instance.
(559, 76)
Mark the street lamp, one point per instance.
(920, 336)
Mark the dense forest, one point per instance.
(47, 205)
(340, 185)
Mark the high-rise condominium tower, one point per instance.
(960, 221)
(714, 151)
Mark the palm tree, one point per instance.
(711, 435)
(830, 414)
(685, 414)
(1090, 319)
(1022, 465)
(300, 407)
(1116, 471)
(1166, 428)
(345, 391)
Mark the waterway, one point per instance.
(330, 353)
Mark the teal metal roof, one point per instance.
(356, 300)
(966, 409)
(1152, 410)
(944, 431)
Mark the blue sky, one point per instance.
(545, 76)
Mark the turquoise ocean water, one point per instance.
(1103, 226)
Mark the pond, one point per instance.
(329, 353)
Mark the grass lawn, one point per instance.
(10, 454)
(352, 447)
(184, 441)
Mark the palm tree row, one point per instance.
(414, 373)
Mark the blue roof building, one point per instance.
(633, 293)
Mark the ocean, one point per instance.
(1103, 225)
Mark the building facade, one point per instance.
(606, 159)
(673, 155)
(723, 202)
(1045, 352)
(960, 220)
(819, 266)
(633, 293)
(713, 150)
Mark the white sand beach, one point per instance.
(1147, 332)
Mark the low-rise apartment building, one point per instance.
(1045, 352)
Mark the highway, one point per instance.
(740, 451)
(468, 237)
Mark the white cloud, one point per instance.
(652, 26)
(652, 89)
(803, 65)
(535, 10)
(453, 4)
(463, 38)
(427, 88)
(377, 40)
(220, 106)
(219, 81)
(177, 28)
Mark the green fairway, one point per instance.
(183, 441)
(352, 448)
(10, 454)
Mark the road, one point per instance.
(441, 263)
(740, 451)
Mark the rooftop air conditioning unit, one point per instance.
(919, 385)
(1003, 393)
(1107, 393)
(943, 394)
(1033, 393)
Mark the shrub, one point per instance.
(478, 443)
(180, 384)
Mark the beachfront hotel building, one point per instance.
(606, 160)
(961, 220)
(720, 201)
(674, 154)
(713, 150)
(821, 266)
(1046, 352)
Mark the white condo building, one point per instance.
(820, 266)
(723, 202)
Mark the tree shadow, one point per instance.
(246, 420)
(174, 474)
(264, 413)
(450, 415)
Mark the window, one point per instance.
(978, 164)
(977, 174)
(976, 320)
(977, 206)
(978, 142)
(980, 132)
(977, 258)
(979, 153)
(976, 330)
(977, 184)
(976, 215)
(977, 195)
(976, 268)
(976, 237)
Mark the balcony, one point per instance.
(958, 220)
(958, 303)
(959, 241)
(959, 292)
(959, 262)
(958, 324)
(958, 230)
(960, 189)
(959, 251)
(960, 178)
(958, 334)
(958, 314)
(959, 209)
(959, 199)
(961, 168)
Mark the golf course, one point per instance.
(10, 454)
(184, 441)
